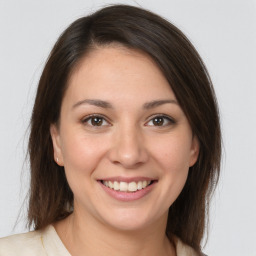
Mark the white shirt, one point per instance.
(46, 242)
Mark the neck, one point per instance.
(87, 235)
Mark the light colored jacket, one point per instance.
(47, 243)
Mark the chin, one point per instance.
(130, 220)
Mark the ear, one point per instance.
(194, 152)
(54, 131)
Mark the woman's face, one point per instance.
(123, 140)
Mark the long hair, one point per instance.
(50, 196)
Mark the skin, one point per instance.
(127, 143)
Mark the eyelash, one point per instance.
(90, 118)
(158, 116)
(170, 121)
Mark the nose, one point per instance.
(128, 148)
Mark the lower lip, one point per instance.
(127, 196)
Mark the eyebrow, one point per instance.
(105, 104)
(94, 102)
(156, 103)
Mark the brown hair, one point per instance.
(182, 66)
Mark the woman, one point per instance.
(125, 142)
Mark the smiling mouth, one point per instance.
(127, 186)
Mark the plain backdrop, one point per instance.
(224, 33)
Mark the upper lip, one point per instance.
(127, 179)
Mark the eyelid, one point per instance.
(86, 118)
(170, 119)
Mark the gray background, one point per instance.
(223, 31)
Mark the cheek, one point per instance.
(81, 154)
(173, 157)
(173, 154)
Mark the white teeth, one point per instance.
(116, 185)
(139, 185)
(123, 186)
(126, 187)
(110, 184)
(132, 186)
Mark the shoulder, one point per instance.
(183, 249)
(40, 243)
(22, 244)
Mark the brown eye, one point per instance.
(160, 121)
(96, 121)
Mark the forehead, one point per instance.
(116, 72)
